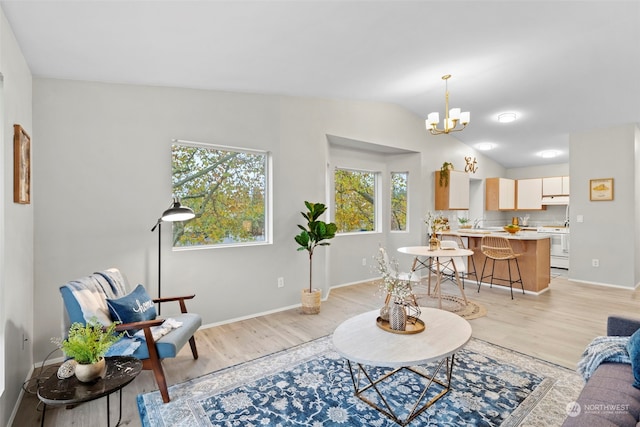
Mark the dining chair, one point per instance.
(405, 276)
(498, 248)
(411, 277)
(470, 265)
(445, 265)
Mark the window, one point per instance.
(399, 201)
(355, 200)
(226, 188)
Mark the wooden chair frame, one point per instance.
(154, 362)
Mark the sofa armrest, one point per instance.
(622, 326)
(180, 299)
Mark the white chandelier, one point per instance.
(452, 118)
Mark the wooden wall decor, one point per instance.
(21, 166)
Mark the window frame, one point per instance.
(377, 208)
(407, 222)
(268, 197)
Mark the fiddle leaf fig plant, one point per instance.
(314, 233)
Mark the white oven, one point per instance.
(559, 245)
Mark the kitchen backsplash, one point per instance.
(553, 215)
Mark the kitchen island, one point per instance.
(535, 261)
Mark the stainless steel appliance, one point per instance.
(559, 245)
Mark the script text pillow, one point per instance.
(134, 307)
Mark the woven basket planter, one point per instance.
(311, 301)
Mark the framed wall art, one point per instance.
(601, 189)
(21, 166)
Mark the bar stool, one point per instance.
(498, 248)
(471, 264)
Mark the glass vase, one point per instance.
(434, 243)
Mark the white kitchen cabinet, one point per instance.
(529, 194)
(454, 195)
(500, 194)
(555, 186)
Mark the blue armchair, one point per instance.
(97, 296)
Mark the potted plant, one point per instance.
(314, 234)
(444, 173)
(464, 222)
(87, 345)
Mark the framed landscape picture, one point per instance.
(21, 166)
(601, 189)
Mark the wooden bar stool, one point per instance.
(498, 248)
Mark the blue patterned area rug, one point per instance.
(310, 385)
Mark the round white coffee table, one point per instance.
(363, 343)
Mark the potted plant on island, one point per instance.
(312, 235)
(87, 345)
(464, 222)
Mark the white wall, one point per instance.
(609, 232)
(16, 228)
(104, 178)
(559, 169)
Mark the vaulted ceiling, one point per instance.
(562, 66)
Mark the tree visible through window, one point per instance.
(355, 200)
(399, 201)
(226, 188)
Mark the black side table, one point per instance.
(121, 370)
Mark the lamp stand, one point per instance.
(159, 226)
(176, 212)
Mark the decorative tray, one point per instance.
(414, 326)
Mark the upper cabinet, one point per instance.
(500, 194)
(529, 194)
(455, 194)
(555, 186)
(555, 190)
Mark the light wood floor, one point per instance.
(554, 326)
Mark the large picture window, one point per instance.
(399, 182)
(226, 188)
(355, 200)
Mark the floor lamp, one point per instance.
(176, 212)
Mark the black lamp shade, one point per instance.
(177, 212)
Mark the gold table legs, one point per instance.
(363, 381)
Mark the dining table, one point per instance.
(434, 260)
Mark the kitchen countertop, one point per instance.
(520, 235)
(534, 262)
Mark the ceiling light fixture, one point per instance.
(549, 154)
(507, 117)
(485, 146)
(452, 118)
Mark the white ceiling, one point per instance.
(563, 66)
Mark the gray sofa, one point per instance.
(609, 398)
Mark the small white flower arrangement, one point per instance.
(391, 284)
